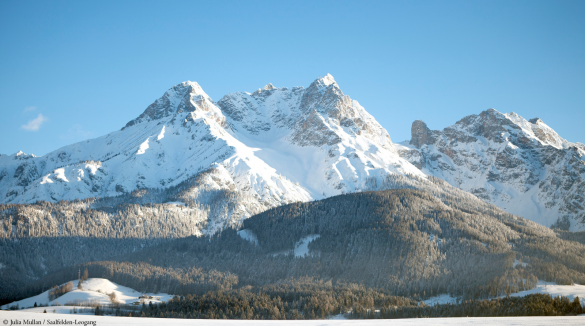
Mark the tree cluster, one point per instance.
(59, 290)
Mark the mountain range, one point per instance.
(249, 152)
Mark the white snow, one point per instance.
(248, 235)
(94, 290)
(302, 246)
(46, 179)
(50, 318)
(517, 262)
(440, 299)
(60, 174)
(162, 134)
(555, 290)
(177, 203)
(143, 147)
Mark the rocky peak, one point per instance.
(489, 124)
(546, 134)
(323, 84)
(325, 97)
(269, 87)
(22, 156)
(420, 133)
(535, 121)
(187, 96)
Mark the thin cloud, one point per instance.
(29, 109)
(35, 124)
(76, 133)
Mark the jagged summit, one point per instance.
(325, 80)
(187, 96)
(22, 155)
(269, 87)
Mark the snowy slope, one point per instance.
(524, 167)
(317, 137)
(94, 290)
(272, 147)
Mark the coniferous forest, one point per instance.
(374, 254)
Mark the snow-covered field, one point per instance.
(570, 291)
(114, 321)
(94, 290)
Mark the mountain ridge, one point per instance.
(522, 166)
(274, 146)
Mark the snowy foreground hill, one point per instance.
(93, 291)
(249, 152)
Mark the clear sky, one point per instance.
(79, 69)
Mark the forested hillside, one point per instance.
(405, 242)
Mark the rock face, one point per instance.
(522, 166)
(271, 147)
(420, 134)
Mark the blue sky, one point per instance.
(78, 69)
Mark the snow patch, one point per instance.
(60, 174)
(178, 203)
(162, 134)
(517, 262)
(143, 147)
(46, 179)
(248, 235)
(302, 246)
(440, 299)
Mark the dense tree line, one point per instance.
(310, 299)
(149, 278)
(305, 298)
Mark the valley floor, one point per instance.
(33, 317)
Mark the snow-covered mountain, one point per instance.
(522, 166)
(271, 147)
